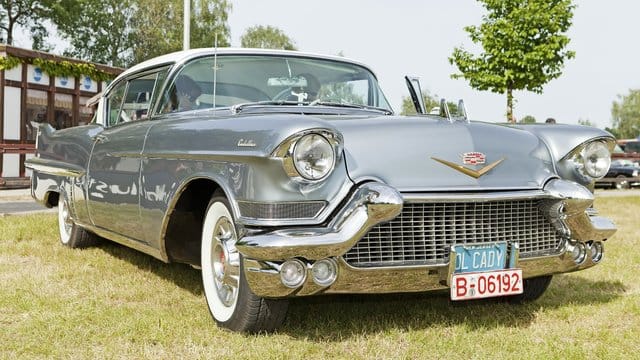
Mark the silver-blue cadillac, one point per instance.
(283, 174)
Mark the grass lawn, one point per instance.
(113, 302)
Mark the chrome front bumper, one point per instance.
(370, 204)
(374, 203)
(264, 277)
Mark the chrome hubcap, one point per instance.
(66, 218)
(226, 261)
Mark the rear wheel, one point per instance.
(72, 235)
(231, 302)
(533, 289)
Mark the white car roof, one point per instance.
(185, 55)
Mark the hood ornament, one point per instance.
(471, 158)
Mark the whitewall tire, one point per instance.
(231, 303)
(72, 235)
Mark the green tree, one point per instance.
(27, 13)
(524, 45)
(626, 115)
(266, 37)
(97, 30)
(529, 119)
(613, 132)
(430, 102)
(156, 32)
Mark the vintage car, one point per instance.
(284, 174)
(622, 174)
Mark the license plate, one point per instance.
(480, 257)
(478, 285)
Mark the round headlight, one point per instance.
(597, 159)
(313, 157)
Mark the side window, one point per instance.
(186, 91)
(139, 92)
(115, 104)
(131, 100)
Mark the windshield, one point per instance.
(241, 79)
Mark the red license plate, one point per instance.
(478, 285)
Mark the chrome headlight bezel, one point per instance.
(596, 159)
(313, 157)
(292, 150)
(591, 160)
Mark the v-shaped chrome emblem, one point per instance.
(465, 170)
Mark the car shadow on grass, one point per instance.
(336, 317)
(184, 276)
(354, 315)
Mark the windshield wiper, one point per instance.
(238, 107)
(351, 106)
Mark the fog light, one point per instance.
(597, 251)
(324, 272)
(578, 252)
(293, 273)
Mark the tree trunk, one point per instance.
(10, 30)
(510, 117)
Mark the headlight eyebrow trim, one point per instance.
(285, 151)
(575, 157)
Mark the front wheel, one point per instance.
(231, 302)
(72, 235)
(533, 289)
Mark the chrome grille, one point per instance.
(424, 232)
(283, 210)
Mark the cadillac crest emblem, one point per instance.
(473, 158)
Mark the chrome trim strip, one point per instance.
(54, 167)
(475, 197)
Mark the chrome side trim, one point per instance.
(370, 204)
(54, 167)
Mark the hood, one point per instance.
(402, 152)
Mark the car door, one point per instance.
(114, 170)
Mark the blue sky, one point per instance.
(416, 37)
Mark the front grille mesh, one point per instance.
(283, 210)
(424, 232)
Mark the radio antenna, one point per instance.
(215, 72)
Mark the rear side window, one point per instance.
(131, 100)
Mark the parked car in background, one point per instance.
(285, 174)
(628, 149)
(622, 174)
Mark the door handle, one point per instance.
(100, 138)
